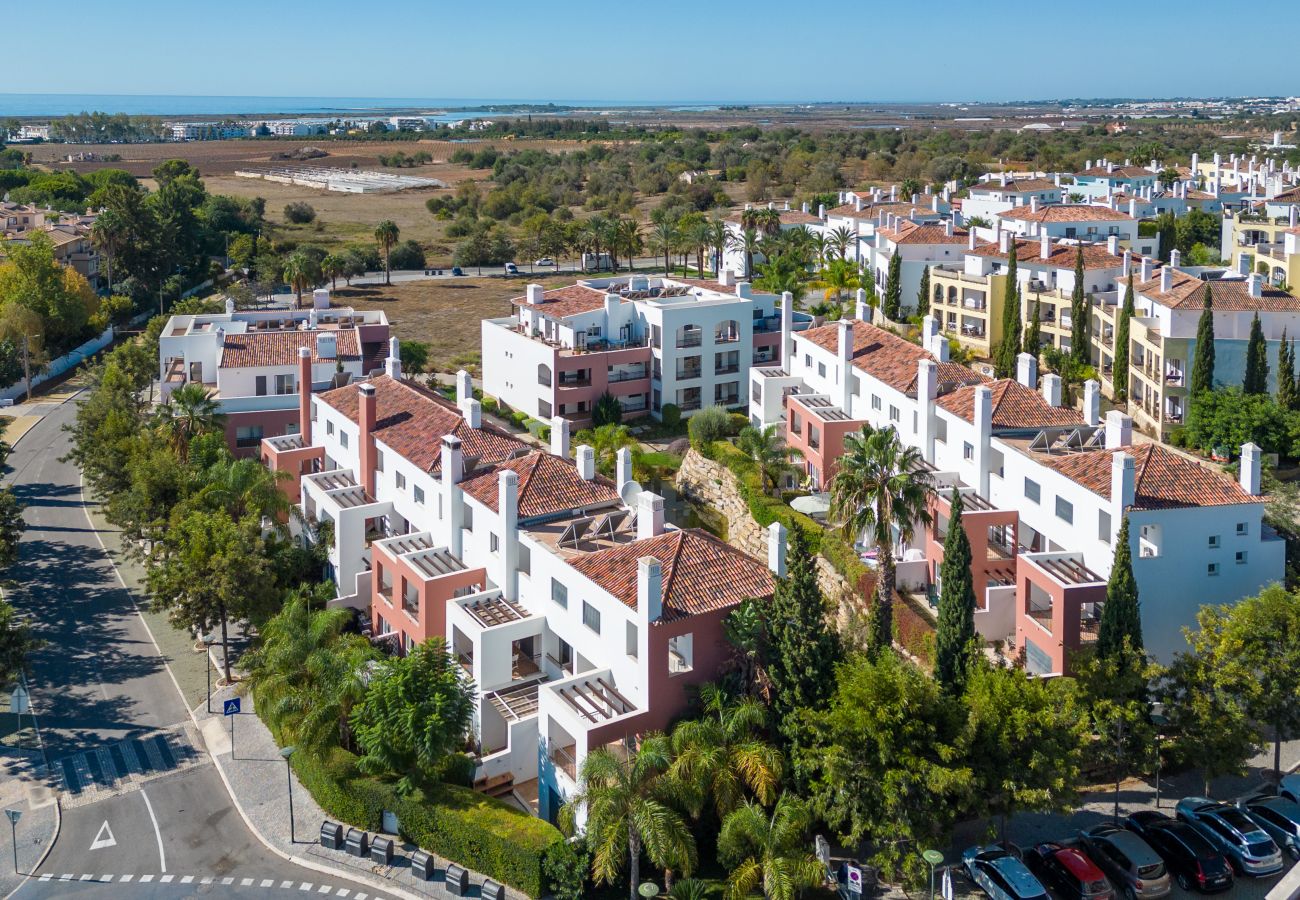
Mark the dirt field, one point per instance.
(443, 313)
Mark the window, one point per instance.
(631, 640)
(1033, 493)
(591, 616)
(260, 385)
(875, 402)
(807, 361)
(1241, 557)
(1064, 510)
(1103, 527)
(400, 480)
(941, 430)
(1213, 542)
(525, 559)
(821, 370)
(559, 593)
(494, 543)
(329, 427)
(967, 451)
(379, 460)
(1243, 528)
(996, 463)
(343, 438)
(248, 435)
(419, 494)
(893, 413)
(1212, 569)
(284, 384)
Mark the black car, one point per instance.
(457, 270)
(1193, 861)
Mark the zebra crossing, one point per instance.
(103, 771)
(261, 884)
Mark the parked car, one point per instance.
(1129, 861)
(545, 261)
(1290, 787)
(1247, 846)
(512, 269)
(1068, 872)
(1001, 874)
(457, 270)
(1280, 819)
(1191, 859)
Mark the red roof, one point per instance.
(1071, 212)
(1164, 479)
(1186, 291)
(570, 300)
(1014, 406)
(547, 485)
(280, 348)
(888, 357)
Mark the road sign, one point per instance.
(14, 815)
(854, 878)
(20, 704)
(104, 838)
(230, 707)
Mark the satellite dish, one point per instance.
(629, 493)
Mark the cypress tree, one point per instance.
(955, 633)
(1203, 361)
(801, 650)
(1121, 617)
(1119, 371)
(1004, 364)
(1256, 380)
(1286, 387)
(1079, 313)
(1032, 339)
(894, 288)
(923, 294)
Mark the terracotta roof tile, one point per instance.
(1061, 256)
(1120, 172)
(1291, 195)
(1068, 212)
(912, 233)
(788, 216)
(701, 574)
(888, 357)
(873, 210)
(1164, 479)
(547, 485)
(280, 348)
(1230, 294)
(412, 422)
(570, 300)
(1014, 407)
(1021, 186)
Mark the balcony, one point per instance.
(685, 372)
(563, 760)
(690, 339)
(689, 405)
(1042, 615)
(727, 369)
(566, 383)
(627, 375)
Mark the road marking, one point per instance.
(108, 879)
(285, 885)
(157, 833)
(306, 886)
(324, 889)
(247, 882)
(343, 892)
(166, 879)
(207, 879)
(46, 877)
(125, 878)
(84, 878)
(187, 879)
(266, 882)
(104, 838)
(227, 881)
(146, 878)
(65, 878)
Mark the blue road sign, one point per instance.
(230, 707)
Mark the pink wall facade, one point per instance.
(597, 364)
(431, 597)
(1058, 637)
(819, 461)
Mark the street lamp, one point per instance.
(208, 640)
(287, 752)
(1159, 720)
(14, 815)
(934, 858)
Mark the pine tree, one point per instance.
(1004, 363)
(1032, 339)
(1286, 386)
(1256, 380)
(955, 634)
(1079, 313)
(801, 650)
(893, 303)
(1119, 371)
(1203, 362)
(1121, 616)
(923, 294)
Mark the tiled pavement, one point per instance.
(101, 772)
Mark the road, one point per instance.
(102, 693)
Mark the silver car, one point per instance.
(1129, 861)
(1247, 846)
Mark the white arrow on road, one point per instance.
(104, 838)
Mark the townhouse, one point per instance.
(918, 246)
(69, 234)
(248, 361)
(861, 213)
(1097, 182)
(582, 616)
(996, 194)
(647, 340)
(1076, 222)
(1044, 489)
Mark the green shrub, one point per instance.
(671, 415)
(711, 424)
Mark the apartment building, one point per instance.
(248, 360)
(998, 193)
(1044, 488)
(1100, 180)
(647, 340)
(1258, 235)
(861, 213)
(734, 258)
(918, 246)
(69, 234)
(582, 616)
(1076, 222)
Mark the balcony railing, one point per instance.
(466, 662)
(689, 405)
(565, 667)
(574, 383)
(684, 372)
(627, 375)
(727, 369)
(691, 339)
(1042, 615)
(562, 758)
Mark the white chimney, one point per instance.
(1144, 270)
(845, 347)
(821, 211)
(1033, 204)
(649, 515)
(230, 306)
(1128, 263)
(1091, 402)
(970, 239)
(623, 469)
(1044, 245)
(857, 203)
(586, 461)
(393, 364)
(320, 298)
(1251, 475)
(1166, 278)
(1052, 388)
(726, 278)
(507, 575)
(1027, 370)
(776, 542)
(650, 588)
(453, 463)
(473, 413)
(804, 207)
(947, 227)
(982, 419)
(1119, 430)
(787, 329)
(1004, 242)
(1175, 259)
(1123, 486)
(1255, 284)
(326, 345)
(1112, 245)
(464, 388)
(560, 436)
(534, 294)
(927, 388)
(861, 311)
(1133, 208)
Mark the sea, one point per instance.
(440, 109)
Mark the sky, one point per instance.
(669, 50)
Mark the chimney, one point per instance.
(649, 515)
(934, 203)
(821, 211)
(1004, 242)
(776, 540)
(507, 578)
(1251, 476)
(948, 227)
(393, 364)
(1091, 402)
(1128, 263)
(1027, 370)
(320, 298)
(1255, 284)
(857, 203)
(1056, 179)
(326, 345)
(649, 588)
(804, 208)
(1292, 215)
(533, 294)
(1112, 245)
(971, 238)
(313, 319)
(1044, 245)
(560, 436)
(1123, 486)
(938, 347)
(787, 329)
(893, 194)
(1175, 259)
(861, 310)
(845, 354)
(1033, 204)
(1052, 388)
(464, 388)
(787, 206)
(916, 198)
(1119, 430)
(586, 462)
(726, 278)
(230, 306)
(1166, 278)
(473, 413)
(927, 388)
(1133, 209)
(304, 395)
(366, 424)
(982, 417)
(451, 474)
(623, 469)
(1144, 270)
(1243, 264)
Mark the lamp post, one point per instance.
(934, 858)
(14, 815)
(1159, 720)
(208, 640)
(287, 752)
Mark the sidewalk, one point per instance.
(257, 779)
(23, 787)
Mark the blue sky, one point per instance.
(667, 50)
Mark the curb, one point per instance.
(58, 824)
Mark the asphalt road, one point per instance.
(100, 680)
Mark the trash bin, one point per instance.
(331, 836)
(493, 891)
(457, 880)
(381, 850)
(357, 843)
(422, 866)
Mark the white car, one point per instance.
(545, 261)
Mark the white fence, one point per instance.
(63, 364)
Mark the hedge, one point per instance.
(457, 823)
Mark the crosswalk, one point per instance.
(261, 884)
(102, 771)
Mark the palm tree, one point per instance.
(835, 278)
(606, 441)
(768, 851)
(821, 247)
(664, 239)
(881, 485)
(767, 220)
(108, 234)
(599, 234)
(722, 755)
(302, 271)
(190, 411)
(243, 487)
(699, 235)
(332, 266)
(627, 236)
(769, 453)
(386, 233)
(628, 812)
(720, 239)
(841, 239)
(749, 243)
